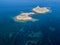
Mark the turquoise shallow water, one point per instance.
(46, 31)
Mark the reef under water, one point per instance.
(29, 37)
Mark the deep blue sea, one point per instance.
(45, 31)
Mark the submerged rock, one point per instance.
(52, 28)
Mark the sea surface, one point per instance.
(45, 31)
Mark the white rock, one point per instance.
(40, 10)
(24, 17)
